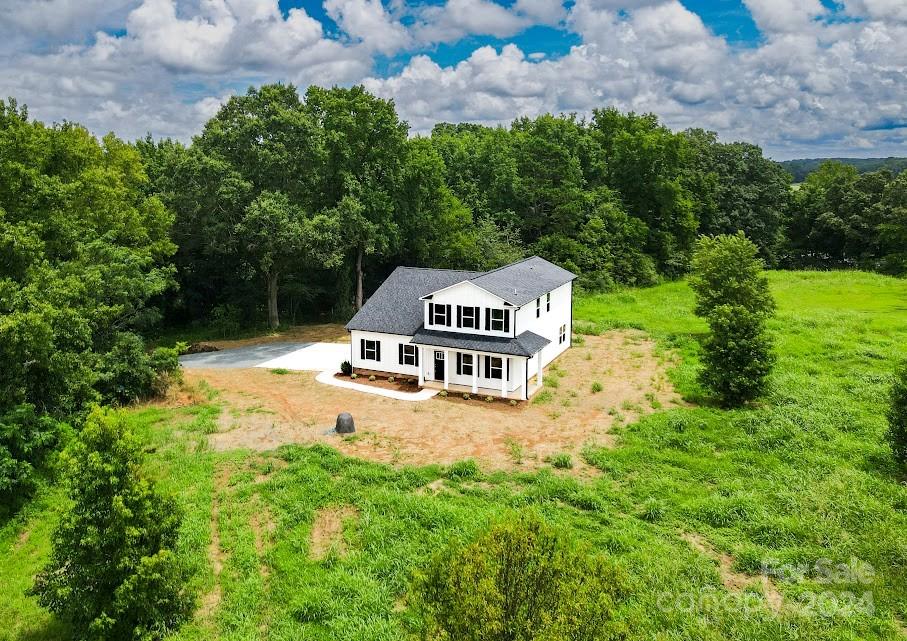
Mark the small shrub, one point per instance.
(466, 397)
(354, 376)
(551, 381)
(596, 387)
(443, 393)
(489, 399)
(390, 379)
(652, 510)
(578, 339)
(513, 402)
(466, 469)
(372, 378)
(524, 577)
(516, 451)
(562, 461)
(280, 371)
(346, 368)
(542, 397)
(897, 416)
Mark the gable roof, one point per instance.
(396, 306)
(523, 281)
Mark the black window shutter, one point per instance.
(475, 318)
(431, 313)
(459, 363)
(487, 320)
(487, 367)
(508, 369)
(506, 320)
(459, 316)
(377, 350)
(417, 357)
(362, 348)
(400, 352)
(448, 319)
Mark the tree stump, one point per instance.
(345, 424)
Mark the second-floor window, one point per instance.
(439, 314)
(548, 302)
(538, 307)
(468, 317)
(497, 320)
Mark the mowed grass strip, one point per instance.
(804, 476)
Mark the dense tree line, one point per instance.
(802, 167)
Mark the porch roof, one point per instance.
(526, 344)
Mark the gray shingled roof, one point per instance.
(523, 281)
(526, 344)
(395, 307)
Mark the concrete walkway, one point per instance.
(422, 395)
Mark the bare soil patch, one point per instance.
(327, 530)
(323, 333)
(264, 410)
(731, 579)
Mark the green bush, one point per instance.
(466, 397)
(127, 372)
(466, 469)
(521, 579)
(737, 356)
(562, 461)
(346, 368)
(372, 378)
(596, 387)
(897, 415)
(112, 573)
(26, 439)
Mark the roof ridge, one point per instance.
(440, 269)
(497, 269)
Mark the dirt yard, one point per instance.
(324, 333)
(263, 410)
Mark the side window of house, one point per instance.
(408, 354)
(562, 334)
(538, 307)
(369, 350)
(548, 302)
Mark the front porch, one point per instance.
(479, 373)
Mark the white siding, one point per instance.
(390, 350)
(548, 324)
(467, 295)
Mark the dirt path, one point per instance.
(264, 410)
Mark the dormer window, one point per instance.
(468, 317)
(439, 314)
(497, 320)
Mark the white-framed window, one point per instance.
(562, 334)
(548, 302)
(497, 320)
(465, 364)
(495, 367)
(370, 350)
(409, 354)
(538, 307)
(440, 317)
(469, 317)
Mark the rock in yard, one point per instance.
(345, 424)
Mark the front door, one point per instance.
(439, 366)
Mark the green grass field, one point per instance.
(803, 482)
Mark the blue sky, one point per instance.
(799, 77)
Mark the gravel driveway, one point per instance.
(294, 356)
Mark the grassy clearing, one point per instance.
(804, 477)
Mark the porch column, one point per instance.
(421, 366)
(446, 369)
(538, 378)
(524, 376)
(505, 361)
(475, 372)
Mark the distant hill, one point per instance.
(801, 167)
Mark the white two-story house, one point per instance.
(480, 332)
